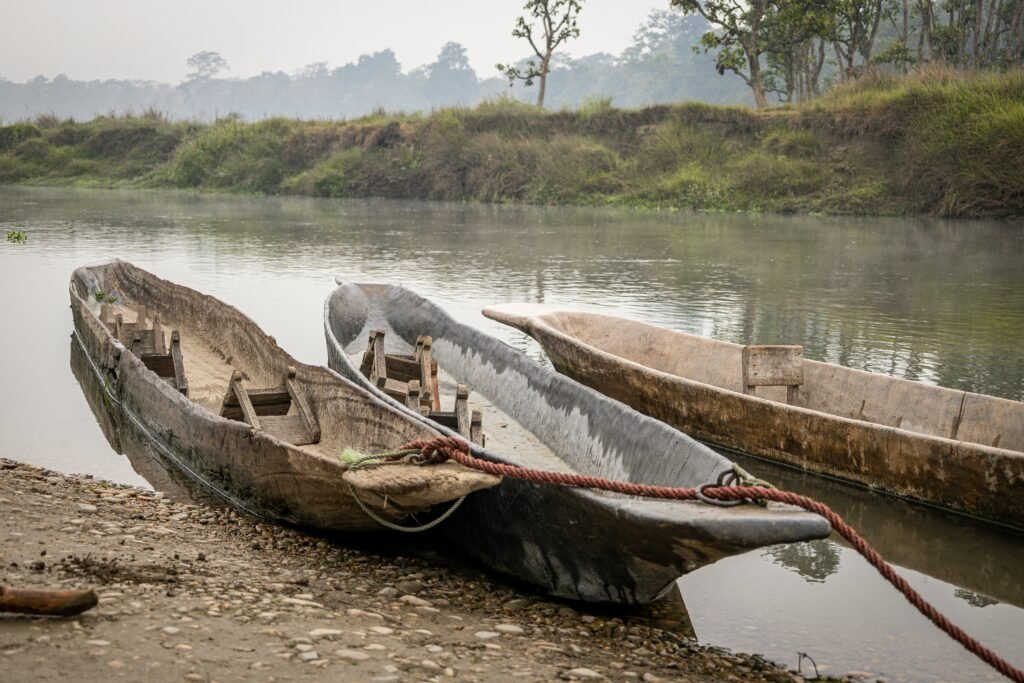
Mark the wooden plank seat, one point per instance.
(467, 423)
(147, 342)
(268, 409)
(170, 366)
(412, 380)
(392, 373)
(773, 366)
(403, 378)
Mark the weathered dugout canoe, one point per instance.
(261, 473)
(573, 543)
(955, 449)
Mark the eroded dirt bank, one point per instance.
(201, 593)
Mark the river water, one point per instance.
(937, 301)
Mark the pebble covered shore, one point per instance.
(202, 593)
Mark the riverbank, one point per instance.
(200, 593)
(938, 142)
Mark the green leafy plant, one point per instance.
(107, 297)
(16, 236)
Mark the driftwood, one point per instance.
(47, 601)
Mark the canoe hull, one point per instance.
(572, 543)
(965, 477)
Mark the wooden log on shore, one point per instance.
(58, 602)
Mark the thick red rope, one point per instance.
(443, 447)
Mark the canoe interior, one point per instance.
(216, 340)
(214, 345)
(827, 388)
(573, 428)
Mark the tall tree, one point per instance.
(451, 79)
(205, 65)
(854, 31)
(740, 31)
(546, 25)
(745, 31)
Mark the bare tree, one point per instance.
(546, 25)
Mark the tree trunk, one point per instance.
(544, 65)
(756, 83)
(869, 46)
(979, 9)
(752, 50)
(905, 29)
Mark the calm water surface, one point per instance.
(936, 301)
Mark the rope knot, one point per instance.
(437, 450)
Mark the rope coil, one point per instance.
(444, 448)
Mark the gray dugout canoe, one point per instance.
(958, 450)
(259, 472)
(572, 543)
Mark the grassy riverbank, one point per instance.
(939, 142)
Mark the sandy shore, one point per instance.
(202, 593)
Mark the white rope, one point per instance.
(387, 524)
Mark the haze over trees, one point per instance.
(716, 51)
(660, 66)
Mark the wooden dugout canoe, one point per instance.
(258, 468)
(955, 449)
(573, 543)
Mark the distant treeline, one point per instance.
(661, 65)
(940, 140)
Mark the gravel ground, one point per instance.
(202, 593)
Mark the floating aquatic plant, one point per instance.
(17, 236)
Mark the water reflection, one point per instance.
(815, 561)
(977, 556)
(939, 301)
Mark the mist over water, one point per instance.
(936, 301)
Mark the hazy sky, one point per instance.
(142, 39)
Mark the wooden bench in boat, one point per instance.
(392, 373)
(267, 409)
(774, 366)
(412, 380)
(467, 424)
(148, 344)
